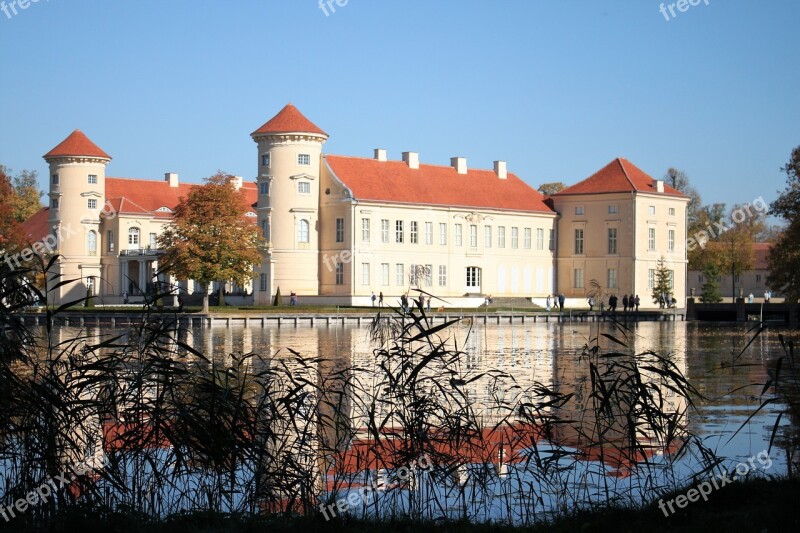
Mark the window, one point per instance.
(399, 274)
(91, 242)
(92, 179)
(527, 238)
(262, 282)
(473, 278)
(92, 203)
(429, 233)
(428, 275)
(736, 278)
(302, 231)
(153, 241)
(758, 278)
(442, 275)
(473, 236)
(365, 273)
(339, 274)
(265, 229)
(398, 231)
(304, 187)
(552, 240)
(487, 236)
(133, 237)
(384, 230)
(442, 233)
(540, 238)
(651, 278)
(364, 230)
(578, 275)
(303, 159)
(265, 160)
(612, 209)
(414, 233)
(110, 241)
(671, 211)
(700, 278)
(611, 278)
(514, 237)
(651, 238)
(54, 203)
(671, 240)
(651, 210)
(55, 179)
(578, 209)
(384, 273)
(671, 277)
(578, 241)
(458, 234)
(501, 236)
(612, 241)
(339, 230)
(263, 188)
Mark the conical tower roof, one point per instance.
(289, 120)
(77, 144)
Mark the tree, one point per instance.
(784, 256)
(680, 181)
(710, 287)
(663, 282)
(209, 239)
(10, 232)
(549, 189)
(28, 196)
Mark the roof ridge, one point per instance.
(421, 164)
(625, 173)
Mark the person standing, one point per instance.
(428, 304)
(549, 303)
(625, 303)
(404, 303)
(373, 298)
(590, 300)
(561, 301)
(380, 299)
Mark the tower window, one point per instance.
(92, 179)
(303, 159)
(54, 203)
(92, 203)
(264, 160)
(91, 243)
(55, 179)
(302, 231)
(339, 230)
(264, 187)
(303, 187)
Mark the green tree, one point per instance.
(26, 200)
(551, 188)
(784, 256)
(209, 239)
(663, 282)
(710, 287)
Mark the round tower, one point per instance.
(289, 154)
(77, 198)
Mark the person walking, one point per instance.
(561, 301)
(549, 303)
(373, 298)
(612, 303)
(636, 302)
(404, 303)
(380, 299)
(590, 300)
(625, 303)
(428, 304)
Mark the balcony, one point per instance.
(141, 252)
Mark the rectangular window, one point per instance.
(473, 236)
(384, 273)
(527, 238)
(110, 241)
(458, 235)
(473, 278)
(340, 273)
(612, 209)
(758, 278)
(384, 230)
(428, 275)
(399, 274)
(612, 241)
(365, 273)
(262, 282)
(263, 187)
(303, 159)
(514, 237)
(540, 238)
(442, 276)
(552, 240)
(671, 240)
(651, 278)
(578, 274)
(264, 160)
(611, 278)
(671, 278)
(398, 231)
(54, 203)
(339, 230)
(265, 229)
(364, 230)
(671, 211)
(429, 233)
(578, 209)
(153, 241)
(55, 179)
(414, 233)
(442, 233)
(651, 238)
(501, 236)
(92, 203)
(303, 187)
(578, 241)
(651, 210)
(487, 236)
(92, 179)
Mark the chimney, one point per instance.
(380, 154)
(412, 158)
(459, 163)
(659, 185)
(500, 169)
(171, 178)
(237, 182)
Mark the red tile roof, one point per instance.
(394, 181)
(289, 120)
(77, 144)
(618, 176)
(37, 226)
(761, 250)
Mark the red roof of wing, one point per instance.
(289, 119)
(77, 144)
(761, 250)
(394, 181)
(37, 226)
(618, 176)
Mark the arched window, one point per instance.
(133, 238)
(302, 231)
(91, 242)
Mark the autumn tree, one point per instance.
(209, 239)
(784, 256)
(680, 181)
(10, 231)
(549, 189)
(27, 196)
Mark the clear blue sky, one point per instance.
(556, 88)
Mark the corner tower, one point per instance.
(289, 154)
(77, 196)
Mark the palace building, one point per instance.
(338, 228)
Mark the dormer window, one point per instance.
(250, 214)
(164, 209)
